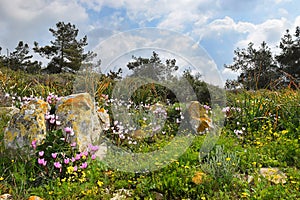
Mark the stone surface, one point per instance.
(199, 118)
(78, 111)
(27, 125)
(34, 198)
(273, 174)
(9, 111)
(5, 197)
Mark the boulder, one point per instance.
(198, 115)
(27, 125)
(8, 111)
(78, 111)
(273, 175)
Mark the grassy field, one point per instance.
(261, 130)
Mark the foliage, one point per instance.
(65, 52)
(261, 130)
(289, 56)
(153, 67)
(260, 69)
(257, 67)
(20, 60)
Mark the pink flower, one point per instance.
(42, 161)
(57, 164)
(33, 144)
(85, 153)
(77, 157)
(41, 153)
(73, 159)
(75, 168)
(54, 155)
(93, 148)
(73, 144)
(93, 157)
(66, 160)
(58, 123)
(83, 165)
(52, 121)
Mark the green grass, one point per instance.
(269, 136)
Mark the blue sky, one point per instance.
(218, 26)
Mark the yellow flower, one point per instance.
(1, 178)
(70, 169)
(99, 183)
(198, 178)
(254, 163)
(203, 198)
(50, 192)
(227, 159)
(245, 194)
(219, 164)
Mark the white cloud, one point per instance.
(30, 20)
(269, 31)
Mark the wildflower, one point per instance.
(73, 159)
(42, 161)
(57, 164)
(75, 168)
(73, 144)
(85, 153)
(83, 165)
(93, 157)
(58, 123)
(70, 169)
(198, 178)
(1, 178)
(245, 194)
(227, 159)
(41, 153)
(54, 155)
(66, 160)
(99, 183)
(122, 136)
(69, 131)
(33, 144)
(77, 157)
(206, 107)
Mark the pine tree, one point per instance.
(66, 51)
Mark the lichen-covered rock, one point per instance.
(35, 198)
(8, 111)
(273, 174)
(27, 125)
(78, 111)
(199, 118)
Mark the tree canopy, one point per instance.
(153, 67)
(66, 51)
(260, 69)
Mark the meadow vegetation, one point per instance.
(261, 130)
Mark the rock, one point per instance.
(34, 198)
(78, 111)
(104, 118)
(199, 118)
(27, 125)
(5, 197)
(8, 111)
(273, 174)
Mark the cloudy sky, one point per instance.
(218, 26)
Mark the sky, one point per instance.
(181, 28)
